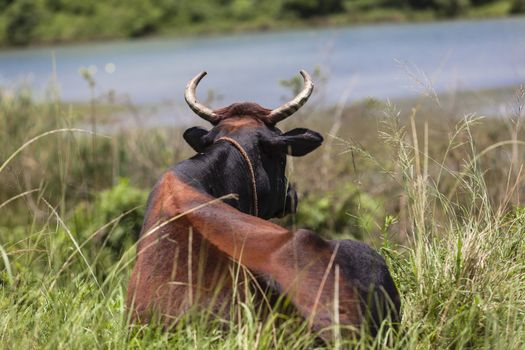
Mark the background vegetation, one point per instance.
(432, 185)
(436, 190)
(24, 22)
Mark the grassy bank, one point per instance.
(28, 22)
(437, 192)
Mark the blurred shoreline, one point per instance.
(210, 27)
(450, 106)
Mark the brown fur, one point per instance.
(243, 109)
(191, 242)
(236, 122)
(161, 284)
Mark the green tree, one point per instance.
(518, 6)
(243, 9)
(144, 19)
(481, 2)
(22, 18)
(451, 8)
(5, 3)
(84, 7)
(421, 4)
(311, 8)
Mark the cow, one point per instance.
(209, 213)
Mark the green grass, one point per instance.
(440, 198)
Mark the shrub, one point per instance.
(518, 6)
(344, 213)
(22, 18)
(112, 221)
(312, 8)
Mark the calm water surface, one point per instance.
(362, 61)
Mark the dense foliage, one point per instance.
(27, 21)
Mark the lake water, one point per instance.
(382, 61)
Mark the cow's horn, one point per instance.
(201, 110)
(292, 106)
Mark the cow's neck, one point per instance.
(220, 171)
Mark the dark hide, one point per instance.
(185, 262)
(219, 168)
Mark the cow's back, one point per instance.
(175, 267)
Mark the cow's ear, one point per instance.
(297, 142)
(196, 138)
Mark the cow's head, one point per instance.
(254, 128)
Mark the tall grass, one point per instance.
(449, 221)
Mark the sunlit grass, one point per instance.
(450, 225)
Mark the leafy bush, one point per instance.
(22, 18)
(85, 7)
(5, 3)
(518, 6)
(343, 213)
(451, 8)
(112, 221)
(26, 21)
(311, 8)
